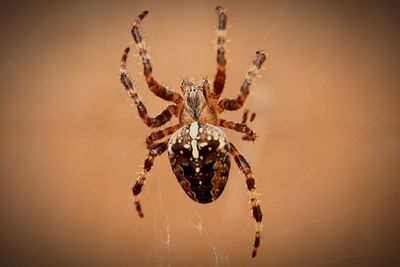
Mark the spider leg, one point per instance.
(220, 76)
(153, 85)
(239, 127)
(252, 117)
(236, 103)
(244, 121)
(155, 151)
(161, 118)
(255, 203)
(245, 116)
(154, 136)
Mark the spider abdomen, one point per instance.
(199, 157)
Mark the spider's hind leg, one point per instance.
(154, 152)
(255, 203)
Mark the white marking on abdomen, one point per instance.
(195, 151)
(201, 145)
(194, 130)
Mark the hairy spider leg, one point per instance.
(244, 121)
(255, 203)
(158, 89)
(155, 151)
(239, 127)
(220, 76)
(154, 136)
(161, 118)
(236, 103)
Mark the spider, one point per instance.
(198, 150)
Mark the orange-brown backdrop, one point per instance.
(326, 159)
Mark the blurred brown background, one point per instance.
(326, 160)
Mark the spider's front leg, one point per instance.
(153, 85)
(155, 151)
(255, 203)
(160, 119)
(236, 103)
(220, 76)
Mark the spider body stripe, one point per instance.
(194, 130)
(195, 151)
(201, 172)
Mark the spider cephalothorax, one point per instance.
(198, 150)
(196, 104)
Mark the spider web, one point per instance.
(69, 141)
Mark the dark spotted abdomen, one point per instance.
(199, 157)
